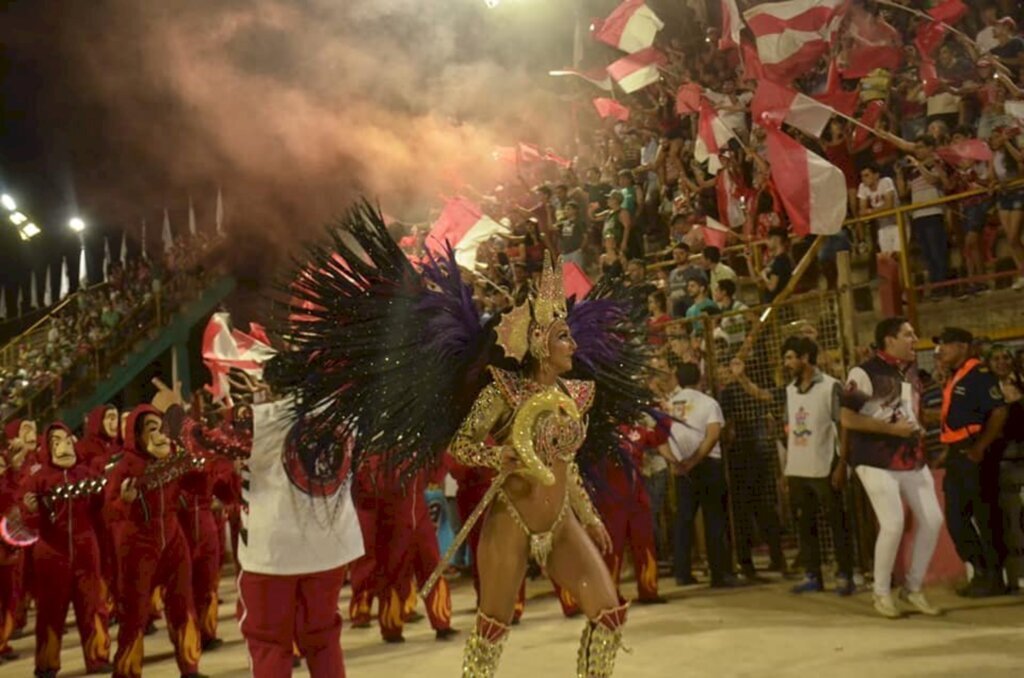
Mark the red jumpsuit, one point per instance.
(152, 552)
(621, 498)
(11, 563)
(473, 482)
(401, 547)
(96, 449)
(67, 564)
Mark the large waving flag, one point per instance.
(874, 43)
(791, 36)
(635, 71)
(610, 108)
(712, 137)
(598, 78)
(732, 24)
(688, 98)
(835, 96)
(776, 104)
(225, 349)
(464, 225)
(631, 27)
(812, 189)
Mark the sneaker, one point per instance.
(918, 600)
(886, 606)
(845, 587)
(810, 584)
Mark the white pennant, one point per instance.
(3, 304)
(166, 235)
(191, 218)
(20, 301)
(83, 268)
(106, 259)
(220, 213)
(124, 249)
(65, 280)
(145, 254)
(47, 289)
(33, 296)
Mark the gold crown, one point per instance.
(526, 327)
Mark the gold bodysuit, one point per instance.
(556, 438)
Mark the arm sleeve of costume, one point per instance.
(231, 444)
(579, 500)
(468, 446)
(113, 506)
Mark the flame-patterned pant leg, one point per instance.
(426, 557)
(206, 558)
(175, 575)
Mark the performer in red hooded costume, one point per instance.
(59, 501)
(21, 444)
(143, 492)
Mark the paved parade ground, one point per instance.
(758, 632)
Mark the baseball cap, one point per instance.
(953, 335)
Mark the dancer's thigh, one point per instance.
(576, 565)
(501, 561)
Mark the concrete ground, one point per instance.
(761, 632)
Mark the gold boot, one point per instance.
(483, 648)
(601, 640)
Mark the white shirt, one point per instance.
(876, 198)
(986, 39)
(903, 408)
(287, 531)
(811, 420)
(695, 412)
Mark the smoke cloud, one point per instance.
(295, 107)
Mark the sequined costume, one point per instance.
(397, 358)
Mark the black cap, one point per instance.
(954, 335)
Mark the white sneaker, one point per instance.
(918, 600)
(886, 606)
(1018, 284)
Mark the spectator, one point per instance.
(878, 194)
(683, 270)
(611, 259)
(1007, 159)
(655, 466)
(986, 38)
(636, 284)
(1010, 45)
(777, 273)
(880, 411)
(618, 223)
(734, 324)
(657, 310)
(699, 477)
(814, 473)
(972, 175)
(711, 261)
(571, 230)
(697, 289)
(922, 178)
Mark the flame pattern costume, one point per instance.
(98, 449)
(397, 358)
(66, 558)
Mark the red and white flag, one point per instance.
(688, 98)
(732, 24)
(598, 78)
(874, 43)
(631, 27)
(715, 233)
(870, 117)
(752, 68)
(712, 137)
(225, 349)
(791, 36)
(729, 196)
(635, 71)
(775, 104)
(948, 12)
(812, 189)
(974, 150)
(463, 225)
(610, 108)
(835, 96)
(575, 282)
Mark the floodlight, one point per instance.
(28, 231)
(76, 225)
(18, 218)
(8, 202)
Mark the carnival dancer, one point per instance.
(22, 439)
(142, 493)
(59, 502)
(99, 447)
(399, 359)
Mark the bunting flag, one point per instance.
(712, 137)
(83, 268)
(463, 225)
(812, 189)
(33, 294)
(166, 237)
(791, 36)
(598, 78)
(635, 71)
(775, 104)
(65, 280)
(106, 259)
(3, 303)
(631, 27)
(225, 349)
(610, 108)
(688, 98)
(732, 24)
(191, 218)
(835, 96)
(874, 44)
(124, 249)
(220, 213)
(48, 288)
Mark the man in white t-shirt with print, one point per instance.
(814, 473)
(878, 194)
(699, 476)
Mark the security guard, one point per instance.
(973, 414)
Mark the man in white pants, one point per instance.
(881, 407)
